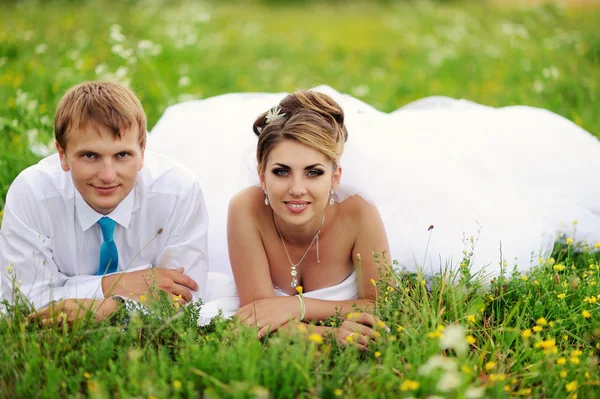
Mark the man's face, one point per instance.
(104, 169)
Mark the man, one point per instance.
(102, 219)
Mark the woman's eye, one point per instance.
(314, 173)
(281, 172)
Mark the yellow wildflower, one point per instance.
(87, 375)
(597, 245)
(562, 374)
(390, 289)
(523, 277)
(377, 355)
(142, 298)
(524, 392)
(497, 377)
(466, 369)
(586, 314)
(338, 392)
(9, 268)
(177, 384)
(551, 324)
(409, 385)
(559, 268)
(561, 361)
(471, 340)
(536, 282)
(537, 328)
(575, 360)
(507, 388)
(372, 282)
(376, 334)
(587, 375)
(571, 386)
(315, 338)
(350, 338)
(434, 334)
(399, 328)
(471, 318)
(569, 241)
(489, 366)
(576, 353)
(561, 296)
(541, 321)
(526, 333)
(352, 315)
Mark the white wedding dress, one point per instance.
(512, 178)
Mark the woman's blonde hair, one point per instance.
(309, 117)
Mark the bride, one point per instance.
(454, 182)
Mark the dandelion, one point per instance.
(87, 375)
(471, 340)
(377, 355)
(597, 245)
(558, 268)
(177, 384)
(561, 296)
(561, 361)
(497, 377)
(569, 241)
(526, 333)
(586, 314)
(376, 334)
(523, 277)
(563, 374)
(574, 360)
(409, 385)
(399, 328)
(524, 392)
(315, 338)
(571, 386)
(541, 321)
(576, 353)
(490, 366)
(537, 328)
(449, 381)
(338, 392)
(142, 298)
(350, 338)
(471, 318)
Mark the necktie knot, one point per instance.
(107, 225)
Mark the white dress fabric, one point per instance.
(512, 178)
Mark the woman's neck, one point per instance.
(301, 235)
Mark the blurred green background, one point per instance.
(386, 53)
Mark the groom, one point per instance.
(102, 219)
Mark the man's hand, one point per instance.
(359, 329)
(70, 310)
(134, 284)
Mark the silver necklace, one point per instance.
(294, 272)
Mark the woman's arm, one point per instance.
(247, 254)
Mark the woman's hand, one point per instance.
(70, 310)
(268, 314)
(359, 329)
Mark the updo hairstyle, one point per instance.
(311, 118)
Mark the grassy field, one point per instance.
(534, 335)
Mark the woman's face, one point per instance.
(298, 180)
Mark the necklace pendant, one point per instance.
(294, 283)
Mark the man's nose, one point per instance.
(107, 173)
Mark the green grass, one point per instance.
(387, 54)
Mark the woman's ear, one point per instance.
(337, 177)
(261, 177)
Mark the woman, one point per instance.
(290, 231)
(497, 185)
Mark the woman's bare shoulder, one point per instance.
(357, 208)
(249, 201)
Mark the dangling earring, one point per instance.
(331, 200)
(266, 198)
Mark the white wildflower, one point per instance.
(449, 381)
(455, 338)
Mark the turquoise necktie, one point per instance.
(109, 257)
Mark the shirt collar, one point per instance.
(88, 217)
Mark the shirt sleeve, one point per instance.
(187, 244)
(26, 254)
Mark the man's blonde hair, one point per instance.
(109, 104)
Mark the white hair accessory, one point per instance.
(273, 115)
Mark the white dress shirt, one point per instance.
(50, 240)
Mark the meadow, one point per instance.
(459, 336)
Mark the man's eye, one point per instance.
(123, 154)
(89, 155)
